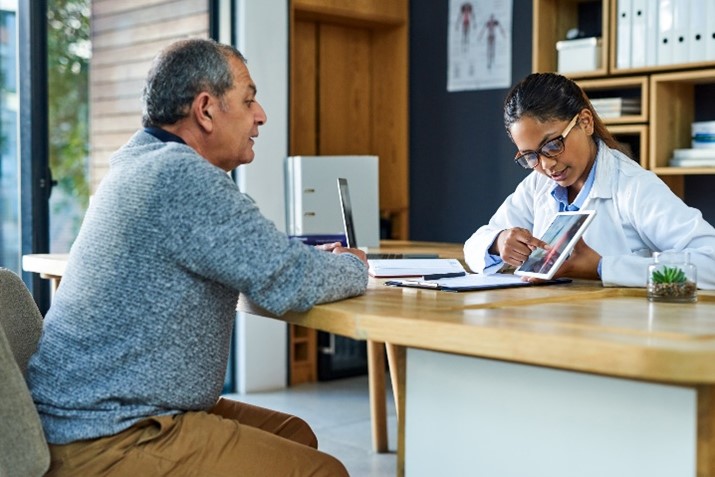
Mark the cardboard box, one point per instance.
(583, 54)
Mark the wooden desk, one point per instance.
(563, 380)
(49, 265)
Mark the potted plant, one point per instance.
(671, 282)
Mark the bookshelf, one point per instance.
(667, 92)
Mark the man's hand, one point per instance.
(337, 248)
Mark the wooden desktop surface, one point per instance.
(579, 326)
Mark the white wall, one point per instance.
(262, 37)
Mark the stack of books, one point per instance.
(702, 153)
(703, 135)
(693, 158)
(616, 107)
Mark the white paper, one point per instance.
(413, 267)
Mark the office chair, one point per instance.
(23, 448)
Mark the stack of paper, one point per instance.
(414, 267)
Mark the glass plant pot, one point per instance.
(672, 278)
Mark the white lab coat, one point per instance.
(636, 215)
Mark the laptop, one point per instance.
(349, 227)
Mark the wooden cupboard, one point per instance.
(349, 96)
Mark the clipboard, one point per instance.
(471, 282)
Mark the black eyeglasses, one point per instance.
(551, 148)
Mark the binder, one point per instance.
(665, 32)
(624, 34)
(651, 33)
(681, 31)
(472, 282)
(710, 31)
(639, 30)
(698, 26)
(312, 201)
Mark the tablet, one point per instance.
(562, 234)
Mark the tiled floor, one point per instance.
(339, 413)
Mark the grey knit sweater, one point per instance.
(142, 320)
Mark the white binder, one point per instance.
(698, 30)
(624, 34)
(639, 31)
(681, 31)
(312, 203)
(710, 31)
(665, 32)
(651, 43)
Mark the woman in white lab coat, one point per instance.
(577, 165)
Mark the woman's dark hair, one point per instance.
(550, 96)
(180, 72)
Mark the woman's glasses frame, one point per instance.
(551, 148)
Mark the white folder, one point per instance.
(639, 38)
(681, 31)
(698, 30)
(624, 34)
(665, 32)
(710, 31)
(652, 33)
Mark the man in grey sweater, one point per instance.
(128, 372)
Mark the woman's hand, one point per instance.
(337, 248)
(582, 263)
(515, 245)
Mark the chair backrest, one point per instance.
(23, 449)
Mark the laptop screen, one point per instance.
(347, 212)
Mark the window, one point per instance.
(68, 56)
(9, 163)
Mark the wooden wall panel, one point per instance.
(369, 12)
(390, 134)
(303, 88)
(345, 111)
(126, 36)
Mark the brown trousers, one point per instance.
(231, 439)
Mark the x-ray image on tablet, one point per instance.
(562, 234)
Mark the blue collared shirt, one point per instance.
(560, 194)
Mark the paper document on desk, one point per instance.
(418, 267)
(472, 281)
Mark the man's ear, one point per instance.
(202, 110)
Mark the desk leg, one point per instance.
(706, 431)
(54, 283)
(378, 406)
(396, 357)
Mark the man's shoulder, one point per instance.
(146, 151)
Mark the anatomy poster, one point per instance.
(479, 44)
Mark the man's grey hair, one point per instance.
(180, 72)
